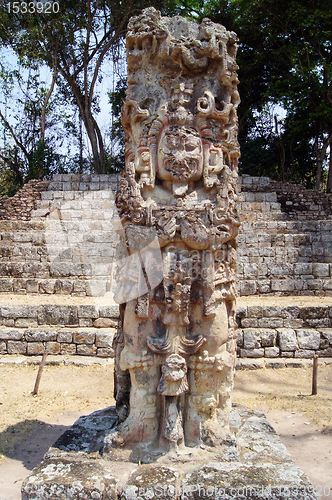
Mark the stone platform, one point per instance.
(253, 465)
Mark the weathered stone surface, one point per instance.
(105, 323)
(40, 335)
(84, 337)
(57, 315)
(105, 339)
(66, 479)
(251, 338)
(26, 322)
(271, 352)
(18, 311)
(34, 348)
(252, 353)
(304, 353)
(287, 339)
(109, 311)
(254, 464)
(10, 334)
(268, 337)
(308, 339)
(16, 347)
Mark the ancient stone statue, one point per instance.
(175, 351)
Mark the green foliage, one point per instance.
(285, 58)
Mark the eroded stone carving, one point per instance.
(175, 352)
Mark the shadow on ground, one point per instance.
(29, 440)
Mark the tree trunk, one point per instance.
(329, 177)
(320, 158)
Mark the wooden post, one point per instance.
(314, 375)
(40, 371)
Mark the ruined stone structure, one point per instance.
(175, 352)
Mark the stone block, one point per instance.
(68, 349)
(51, 314)
(85, 322)
(53, 347)
(311, 312)
(317, 323)
(305, 353)
(268, 337)
(248, 287)
(285, 285)
(287, 339)
(315, 284)
(252, 353)
(263, 286)
(34, 348)
(86, 350)
(47, 286)
(320, 270)
(326, 353)
(65, 336)
(105, 338)
(271, 311)
(105, 323)
(293, 323)
(79, 478)
(7, 322)
(271, 352)
(15, 347)
(249, 323)
(105, 352)
(26, 322)
(40, 335)
(88, 311)
(326, 333)
(3, 347)
(308, 339)
(255, 311)
(250, 364)
(60, 269)
(84, 337)
(11, 334)
(270, 322)
(109, 311)
(239, 340)
(251, 338)
(96, 288)
(287, 354)
(18, 311)
(289, 312)
(241, 312)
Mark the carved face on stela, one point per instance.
(179, 149)
(180, 154)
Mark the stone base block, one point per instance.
(254, 465)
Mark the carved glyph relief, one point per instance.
(175, 350)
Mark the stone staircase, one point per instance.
(56, 274)
(276, 254)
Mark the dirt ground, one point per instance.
(30, 424)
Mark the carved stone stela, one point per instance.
(175, 350)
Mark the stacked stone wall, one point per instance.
(68, 245)
(283, 251)
(286, 332)
(20, 206)
(61, 329)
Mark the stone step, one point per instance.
(268, 328)
(75, 287)
(57, 340)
